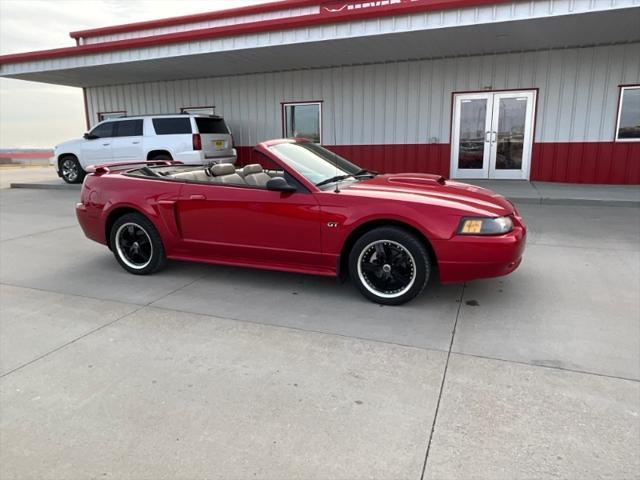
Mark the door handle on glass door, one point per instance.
(486, 136)
(493, 137)
(197, 197)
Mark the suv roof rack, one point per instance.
(163, 115)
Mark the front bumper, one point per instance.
(465, 258)
(53, 161)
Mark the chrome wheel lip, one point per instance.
(69, 170)
(369, 287)
(122, 255)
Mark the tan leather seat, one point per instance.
(254, 175)
(193, 176)
(225, 173)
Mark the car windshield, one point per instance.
(315, 163)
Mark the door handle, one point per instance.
(493, 137)
(135, 143)
(106, 144)
(487, 136)
(197, 197)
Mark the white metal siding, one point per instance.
(401, 102)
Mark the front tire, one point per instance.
(70, 169)
(137, 245)
(389, 265)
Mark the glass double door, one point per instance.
(492, 135)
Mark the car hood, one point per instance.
(69, 142)
(434, 190)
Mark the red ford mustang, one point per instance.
(301, 208)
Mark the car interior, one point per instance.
(253, 175)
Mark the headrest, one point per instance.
(223, 169)
(253, 168)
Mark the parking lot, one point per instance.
(215, 372)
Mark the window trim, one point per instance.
(283, 108)
(621, 90)
(109, 115)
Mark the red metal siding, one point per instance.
(587, 162)
(577, 162)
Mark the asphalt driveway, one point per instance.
(215, 372)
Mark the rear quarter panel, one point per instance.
(104, 195)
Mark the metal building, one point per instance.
(538, 89)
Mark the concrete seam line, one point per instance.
(232, 319)
(175, 290)
(444, 377)
(72, 294)
(38, 233)
(273, 325)
(20, 367)
(551, 367)
(580, 247)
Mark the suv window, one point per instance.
(103, 130)
(211, 125)
(171, 126)
(128, 128)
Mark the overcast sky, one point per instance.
(38, 115)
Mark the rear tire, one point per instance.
(137, 245)
(389, 265)
(70, 169)
(161, 156)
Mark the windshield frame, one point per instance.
(336, 165)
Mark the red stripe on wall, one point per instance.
(578, 162)
(587, 162)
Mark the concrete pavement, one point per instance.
(28, 174)
(214, 372)
(553, 193)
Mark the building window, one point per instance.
(628, 125)
(104, 115)
(303, 120)
(199, 110)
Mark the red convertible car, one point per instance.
(301, 208)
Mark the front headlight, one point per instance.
(485, 226)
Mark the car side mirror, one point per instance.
(88, 136)
(279, 184)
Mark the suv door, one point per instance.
(97, 149)
(127, 142)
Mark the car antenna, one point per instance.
(335, 136)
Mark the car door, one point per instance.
(126, 144)
(96, 149)
(250, 225)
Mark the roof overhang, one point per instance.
(390, 30)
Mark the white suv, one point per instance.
(190, 139)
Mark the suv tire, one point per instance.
(70, 169)
(161, 156)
